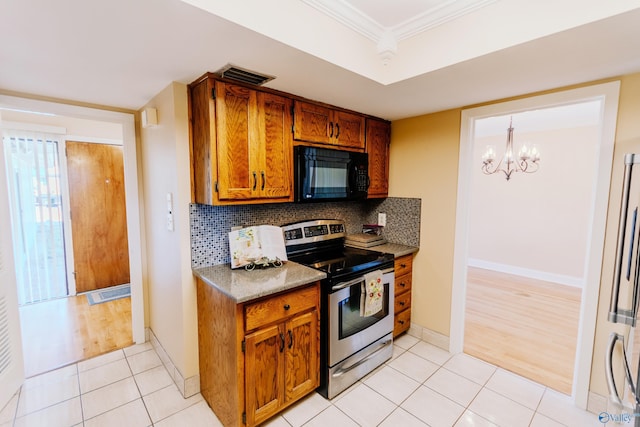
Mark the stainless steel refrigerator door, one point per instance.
(623, 306)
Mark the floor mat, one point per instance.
(109, 294)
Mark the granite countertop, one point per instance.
(396, 249)
(242, 285)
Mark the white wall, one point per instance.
(536, 224)
(165, 168)
(93, 130)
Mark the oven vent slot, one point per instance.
(243, 75)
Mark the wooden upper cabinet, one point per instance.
(378, 139)
(276, 149)
(236, 107)
(323, 125)
(242, 145)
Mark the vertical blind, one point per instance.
(33, 167)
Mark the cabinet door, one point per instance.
(264, 373)
(275, 147)
(348, 129)
(302, 363)
(378, 138)
(235, 111)
(312, 123)
(203, 142)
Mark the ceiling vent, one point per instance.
(242, 75)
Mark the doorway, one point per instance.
(607, 95)
(125, 123)
(528, 242)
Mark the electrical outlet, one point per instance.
(382, 219)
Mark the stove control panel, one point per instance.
(313, 231)
(316, 230)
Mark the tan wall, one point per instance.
(424, 164)
(171, 289)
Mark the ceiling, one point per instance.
(389, 59)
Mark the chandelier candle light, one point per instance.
(527, 160)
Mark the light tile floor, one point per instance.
(422, 385)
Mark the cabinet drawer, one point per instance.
(403, 265)
(402, 322)
(402, 302)
(402, 283)
(279, 307)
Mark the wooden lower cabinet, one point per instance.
(258, 357)
(281, 366)
(402, 307)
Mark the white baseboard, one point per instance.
(189, 386)
(576, 282)
(596, 403)
(427, 335)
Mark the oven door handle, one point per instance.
(343, 285)
(363, 360)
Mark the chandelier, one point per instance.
(527, 160)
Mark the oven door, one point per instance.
(350, 332)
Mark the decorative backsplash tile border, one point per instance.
(210, 225)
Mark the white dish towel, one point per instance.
(372, 294)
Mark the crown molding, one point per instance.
(355, 19)
(438, 15)
(343, 12)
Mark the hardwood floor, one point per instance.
(63, 331)
(526, 326)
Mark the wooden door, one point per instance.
(264, 373)
(11, 362)
(312, 123)
(275, 147)
(98, 215)
(301, 375)
(235, 116)
(378, 137)
(348, 129)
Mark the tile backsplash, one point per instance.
(210, 225)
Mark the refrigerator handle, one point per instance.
(614, 315)
(611, 383)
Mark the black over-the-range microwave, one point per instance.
(322, 174)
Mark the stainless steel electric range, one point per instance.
(351, 344)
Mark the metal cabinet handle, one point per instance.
(263, 179)
(403, 265)
(287, 307)
(290, 339)
(402, 284)
(346, 369)
(337, 130)
(401, 303)
(255, 180)
(281, 342)
(401, 322)
(330, 129)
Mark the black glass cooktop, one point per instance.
(341, 261)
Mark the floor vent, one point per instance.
(240, 74)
